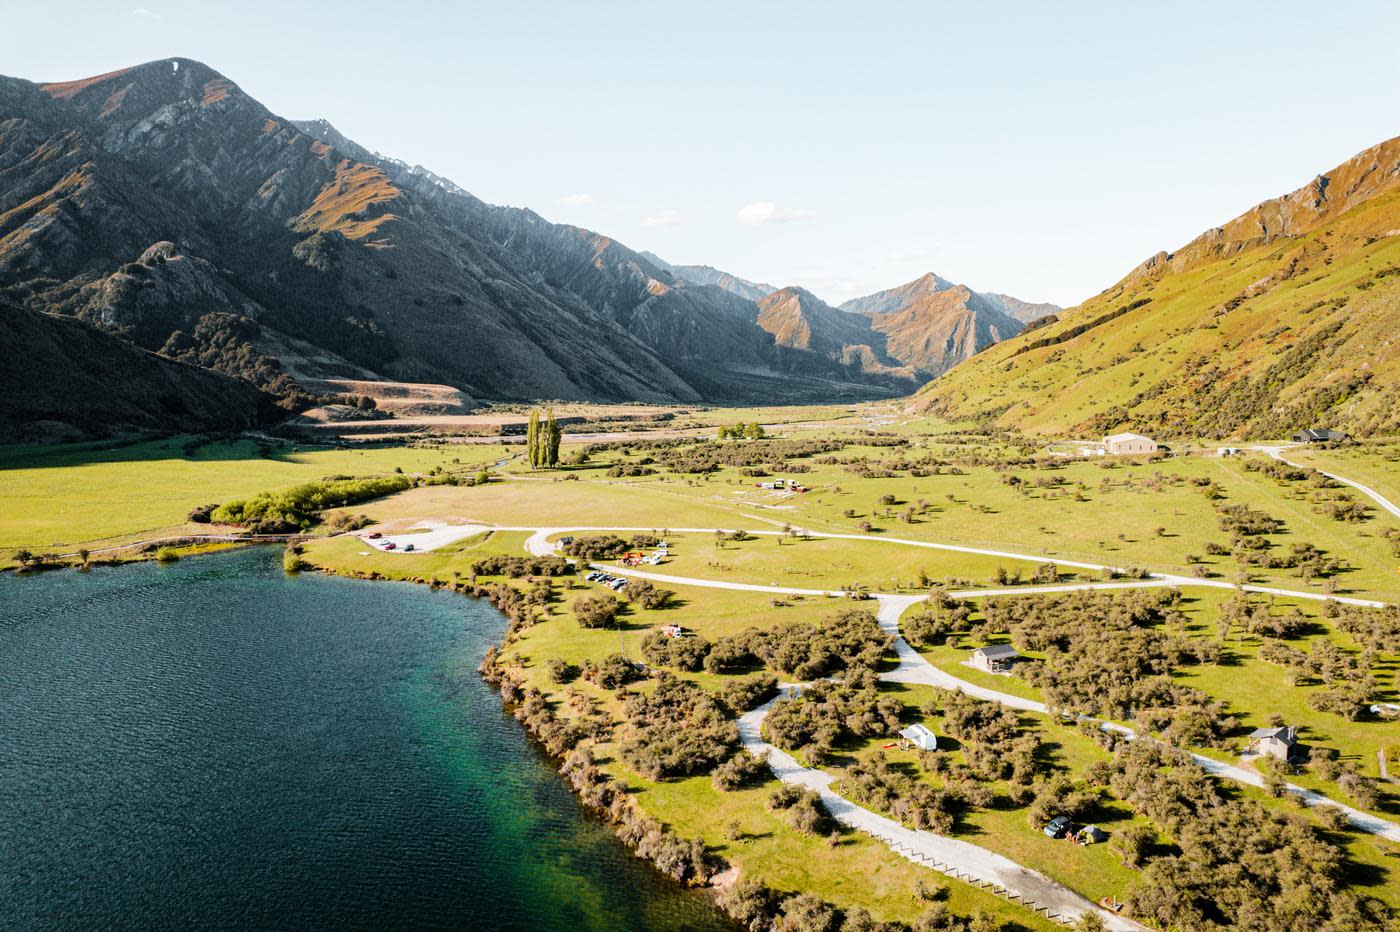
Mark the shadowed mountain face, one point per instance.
(70, 379)
(169, 208)
(932, 324)
(1283, 318)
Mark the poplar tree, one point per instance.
(553, 433)
(532, 439)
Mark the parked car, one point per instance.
(408, 547)
(593, 576)
(375, 536)
(1057, 827)
(390, 545)
(618, 584)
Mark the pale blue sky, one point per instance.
(1035, 148)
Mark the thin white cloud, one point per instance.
(576, 200)
(144, 13)
(764, 212)
(662, 218)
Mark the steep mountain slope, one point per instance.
(800, 321)
(708, 275)
(168, 207)
(932, 324)
(1285, 317)
(72, 379)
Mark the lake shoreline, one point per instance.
(597, 793)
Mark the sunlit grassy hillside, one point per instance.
(1284, 318)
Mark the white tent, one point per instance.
(920, 737)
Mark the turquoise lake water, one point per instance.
(213, 744)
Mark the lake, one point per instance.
(214, 744)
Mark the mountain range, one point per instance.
(165, 206)
(1281, 319)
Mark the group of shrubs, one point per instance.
(1233, 863)
(848, 638)
(608, 546)
(297, 508)
(830, 712)
(1104, 655)
(676, 730)
(514, 567)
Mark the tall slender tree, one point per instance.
(532, 439)
(553, 433)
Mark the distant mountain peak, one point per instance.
(709, 275)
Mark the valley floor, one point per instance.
(1263, 559)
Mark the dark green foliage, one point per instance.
(596, 610)
(1103, 656)
(750, 692)
(560, 671)
(683, 653)
(646, 595)
(741, 770)
(299, 506)
(940, 617)
(515, 567)
(849, 638)
(1237, 864)
(828, 712)
(676, 730)
(917, 804)
(614, 672)
(608, 546)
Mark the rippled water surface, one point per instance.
(213, 744)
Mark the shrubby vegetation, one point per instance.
(681, 859)
(608, 546)
(682, 653)
(804, 809)
(646, 595)
(1104, 656)
(740, 694)
(829, 712)
(596, 610)
(940, 617)
(298, 507)
(741, 770)
(613, 672)
(849, 638)
(1235, 863)
(676, 730)
(514, 567)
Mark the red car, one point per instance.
(375, 536)
(391, 546)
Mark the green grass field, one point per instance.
(57, 497)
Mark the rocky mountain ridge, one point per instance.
(168, 207)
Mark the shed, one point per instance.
(920, 737)
(995, 658)
(1280, 742)
(1128, 444)
(1319, 435)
